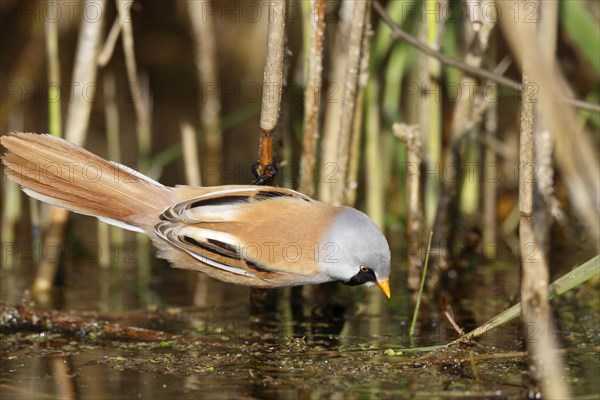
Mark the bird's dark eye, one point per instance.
(364, 269)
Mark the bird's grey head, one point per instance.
(356, 252)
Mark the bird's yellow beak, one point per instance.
(385, 287)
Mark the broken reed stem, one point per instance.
(349, 99)
(312, 99)
(273, 83)
(449, 314)
(84, 73)
(207, 72)
(410, 135)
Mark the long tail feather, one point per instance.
(60, 173)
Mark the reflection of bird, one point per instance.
(248, 235)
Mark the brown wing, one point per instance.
(214, 249)
(214, 227)
(210, 205)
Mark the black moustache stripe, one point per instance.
(361, 278)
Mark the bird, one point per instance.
(257, 236)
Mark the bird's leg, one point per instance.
(264, 175)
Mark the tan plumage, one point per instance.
(60, 173)
(248, 235)
(270, 257)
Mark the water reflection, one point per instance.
(318, 347)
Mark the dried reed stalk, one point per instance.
(208, 79)
(349, 101)
(84, 72)
(312, 99)
(272, 84)
(545, 365)
(191, 161)
(331, 125)
(411, 136)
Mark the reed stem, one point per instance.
(413, 323)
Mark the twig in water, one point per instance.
(450, 316)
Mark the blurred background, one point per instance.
(178, 44)
(180, 100)
(199, 66)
